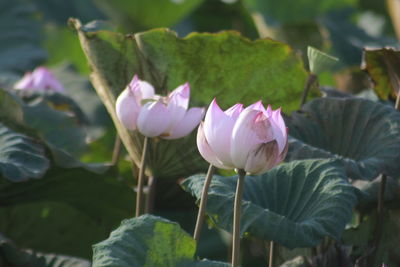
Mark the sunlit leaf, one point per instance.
(213, 64)
(148, 241)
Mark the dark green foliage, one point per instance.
(363, 135)
(295, 204)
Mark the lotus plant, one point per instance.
(251, 141)
(40, 80)
(167, 117)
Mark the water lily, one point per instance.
(138, 107)
(40, 80)
(253, 139)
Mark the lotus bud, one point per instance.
(154, 115)
(253, 139)
(40, 80)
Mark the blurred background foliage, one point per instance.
(36, 32)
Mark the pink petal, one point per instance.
(180, 96)
(268, 112)
(26, 83)
(262, 158)
(178, 102)
(282, 155)
(218, 130)
(44, 80)
(140, 89)
(251, 129)
(257, 106)
(153, 119)
(41, 80)
(146, 90)
(190, 121)
(127, 109)
(134, 84)
(280, 130)
(234, 111)
(205, 150)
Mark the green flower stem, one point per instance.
(236, 218)
(312, 78)
(203, 203)
(139, 194)
(271, 253)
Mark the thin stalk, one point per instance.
(203, 203)
(151, 183)
(116, 150)
(236, 218)
(381, 200)
(139, 194)
(310, 81)
(271, 253)
(380, 218)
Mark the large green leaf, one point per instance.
(295, 204)
(19, 37)
(165, 60)
(21, 157)
(148, 241)
(224, 65)
(10, 255)
(212, 63)
(364, 135)
(383, 66)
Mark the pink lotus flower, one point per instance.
(138, 107)
(40, 80)
(253, 139)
